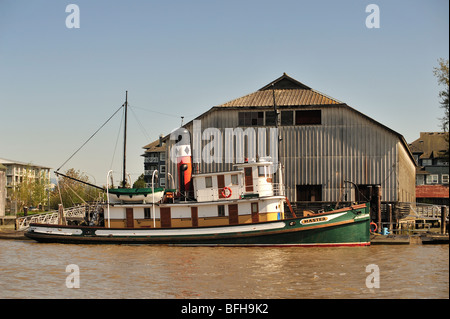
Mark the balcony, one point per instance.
(151, 160)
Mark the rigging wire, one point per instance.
(139, 122)
(162, 113)
(117, 141)
(89, 138)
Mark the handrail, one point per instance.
(51, 217)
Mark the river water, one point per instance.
(33, 270)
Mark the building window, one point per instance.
(308, 117)
(221, 210)
(309, 193)
(420, 179)
(427, 162)
(251, 118)
(208, 182)
(162, 156)
(271, 118)
(162, 169)
(432, 179)
(445, 178)
(162, 181)
(287, 117)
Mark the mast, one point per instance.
(280, 176)
(124, 179)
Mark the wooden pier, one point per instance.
(426, 239)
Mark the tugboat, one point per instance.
(242, 207)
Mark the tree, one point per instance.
(32, 191)
(140, 182)
(71, 192)
(442, 74)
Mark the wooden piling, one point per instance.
(443, 219)
(61, 220)
(378, 199)
(390, 218)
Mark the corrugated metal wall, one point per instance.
(346, 146)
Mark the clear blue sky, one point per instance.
(58, 85)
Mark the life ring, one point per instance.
(229, 192)
(376, 227)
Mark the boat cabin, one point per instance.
(245, 195)
(249, 180)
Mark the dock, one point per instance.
(12, 234)
(425, 239)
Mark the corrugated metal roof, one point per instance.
(290, 97)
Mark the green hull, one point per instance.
(344, 227)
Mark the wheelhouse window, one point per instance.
(234, 179)
(251, 118)
(308, 117)
(208, 182)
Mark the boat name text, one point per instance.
(314, 220)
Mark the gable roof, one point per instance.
(156, 146)
(287, 91)
(285, 82)
(290, 92)
(430, 145)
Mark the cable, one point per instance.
(89, 139)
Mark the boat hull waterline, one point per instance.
(340, 228)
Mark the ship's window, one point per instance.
(221, 210)
(147, 213)
(261, 171)
(208, 182)
(234, 179)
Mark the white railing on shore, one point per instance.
(23, 223)
(420, 210)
